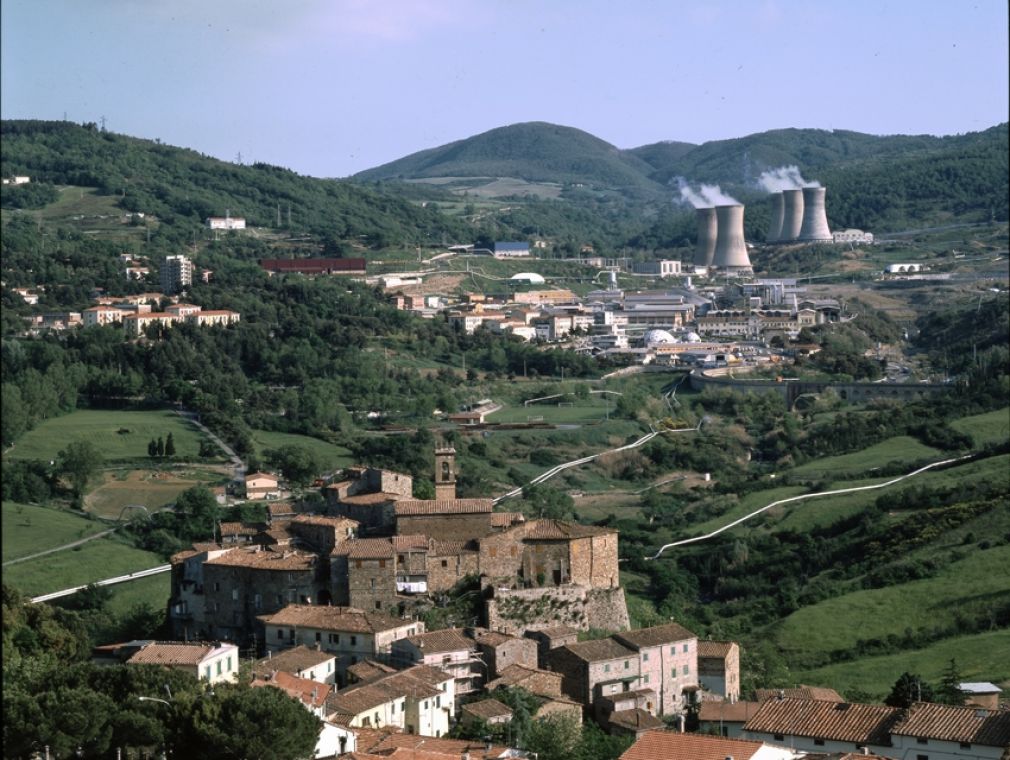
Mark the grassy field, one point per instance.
(153, 489)
(982, 657)
(330, 455)
(154, 589)
(93, 561)
(592, 409)
(840, 622)
(28, 529)
(102, 428)
(991, 427)
(901, 448)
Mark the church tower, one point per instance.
(445, 472)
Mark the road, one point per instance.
(61, 548)
(107, 582)
(237, 463)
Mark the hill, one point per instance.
(533, 151)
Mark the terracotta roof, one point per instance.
(454, 748)
(416, 507)
(655, 636)
(292, 660)
(599, 650)
(369, 498)
(542, 683)
(448, 640)
(420, 681)
(492, 638)
(635, 720)
(800, 692)
(439, 548)
(670, 745)
(956, 724)
(263, 558)
(276, 508)
(311, 693)
(837, 721)
(413, 541)
(364, 548)
(506, 519)
(240, 529)
(366, 670)
(486, 709)
(731, 712)
(715, 649)
(561, 530)
(339, 523)
(260, 476)
(176, 653)
(342, 619)
(558, 631)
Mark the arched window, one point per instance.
(445, 470)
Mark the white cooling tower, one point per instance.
(730, 248)
(815, 218)
(792, 214)
(704, 251)
(778, 215)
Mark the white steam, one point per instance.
(784, 178)
(706, 196)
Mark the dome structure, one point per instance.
(692, 337)
(531, 277)
(658, 338)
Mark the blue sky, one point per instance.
(332, 87)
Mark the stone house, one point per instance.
(419, 700)
(487, 711)
(719, 668)
(725, 718)
(311, 663)
(551, 638)
(627, 713)
(187, 609)
(373, 573)
(499, 650)
(668, 663)
(449, 519)
(367, 495)
(322, 534)
(351, 635)
(244, 583)
(449, 650)
(593, 669)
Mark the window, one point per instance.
(646, 679)
(372, 581)
(329, 666)
(217, 586)
(378, 605)
(280, 633)
(229, 663)
(334, 638)
(382, 563)
(922, 757)
(392, 709)
(819, 742)
(218, 667)
(424, 705)
(686, 647)
(354, 640)
(779, 737)
(403, 706)
(606, 668)
(258, 601)
(645, 656)
(438, 701)
(921, 740)
(206, 672)
(965, 745)
(626, 665)
(673, 673)
(319, 636)
(376, 718)
(280, 600)
(357, 564)
(366, 721)
(687, 670)
(673, 650)
(234, 594)
(399, 559)
(445, 563)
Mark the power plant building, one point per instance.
(730, 248)
(778, 216)
(704, 251)
(792, 214)
(815, 220)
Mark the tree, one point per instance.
(160, 447)
(298, 464)
(169, 446)
(152, 448)
(79, 462)
(907, 689)
(949, 691)
(200, 512)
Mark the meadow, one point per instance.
(330, 455)
(29, 529)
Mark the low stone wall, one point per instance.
(517, 610)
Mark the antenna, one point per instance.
(103, 123)
(238, 158)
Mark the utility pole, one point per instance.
(103, 123)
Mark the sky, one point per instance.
(332, 87)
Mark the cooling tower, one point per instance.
(704, 251)
(730, 248)
(815, 219)
(778, 215)
(792, 214)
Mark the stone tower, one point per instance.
(445, 472)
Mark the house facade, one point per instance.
(668, 663)
(449, 650)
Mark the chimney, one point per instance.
(792, 215)
(730, 248)
(815, 220)
(704, 250)
(781, 694)
(778, 216)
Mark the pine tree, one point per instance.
(161, 447)
(949, 690)
(169, 446)
(152, 448)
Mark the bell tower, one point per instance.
(445, 472)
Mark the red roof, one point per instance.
(668, 745)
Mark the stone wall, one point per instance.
(445, 527)
(236, 595)
(514, 611)
(445, 571)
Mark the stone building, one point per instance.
(322, 534)
(449, 650)
(187, 609)
(374, 573)
(450, 519)
(719, 668)
(668, 663)
(551, 638)
(367, 495)
(499, 650)
(593, 669)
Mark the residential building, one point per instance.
(627, 713)
(418, 700)
(449, 650)
(542, 684)
(490, 712)
(673, 745)
(226, 223)
(821, 693)
(593, 669)
(310, 693)
(262, 485)
(944, 732)
(187, 610)
(405, 746)
(315, 267)
(551, 638)
(17, 180)
(176, 273)
(27, 296)
(352, 635)
(725, 718)
(499, 650)
(668, 663)
(719, 668)
(102, 315)
(305, 662)
(212, 662)
(319, 533)
(382, 573)
(981, 694)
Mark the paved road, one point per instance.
(237, 463)
(61, 548)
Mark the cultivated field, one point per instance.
(119, 435)
(153, 489)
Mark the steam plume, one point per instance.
(784, 178)
(706, 196)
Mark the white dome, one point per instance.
(533, 277)
(692, 337)
(658, 337)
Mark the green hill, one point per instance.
(534, 151)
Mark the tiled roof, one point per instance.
(972, 725)
(291, 660)
(175, 653)
(800, 692)
(439, 548)
(367, 670)
(732, 712)
(369, 498)
(340, 523)
(715, 649)
(542, 683)
(487, 709)
(454, 748)
(506, 519)
(311, 693)
(414, 541)
(448, 640)
(655, 636)
(262, 558)
(342, 619)
(491, 638)
(240, 529)
(837, 721)
(635, 720)
(419, 681)
(276, 508)
(561, 530)
(599, 650)
(670, 745)
(260, 476)
(416, 507)
(558, 631)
